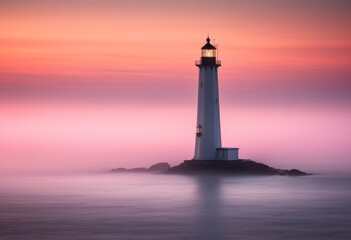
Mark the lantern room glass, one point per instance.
(208, 53)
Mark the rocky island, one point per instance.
(200, 167)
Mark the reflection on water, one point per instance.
(142, 206)
(208, 194)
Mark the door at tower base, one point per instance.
(227, 153)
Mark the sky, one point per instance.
(97, 84)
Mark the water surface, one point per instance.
(145, 206)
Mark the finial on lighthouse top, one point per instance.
(208, 45)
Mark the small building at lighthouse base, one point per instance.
(227, 153)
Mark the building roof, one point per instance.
(208, 45)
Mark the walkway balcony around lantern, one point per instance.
(207, 62)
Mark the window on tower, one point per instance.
(199, 130)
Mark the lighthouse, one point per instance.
(208, 143)
(210, 157)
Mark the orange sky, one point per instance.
(82, 38)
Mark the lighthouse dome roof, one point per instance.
(208, 45)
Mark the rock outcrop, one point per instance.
(156, 168)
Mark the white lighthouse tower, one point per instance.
(208, 145)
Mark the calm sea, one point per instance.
(144, 206)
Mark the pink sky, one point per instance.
(100, 84)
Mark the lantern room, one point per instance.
(208, 56)
(208, 50)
